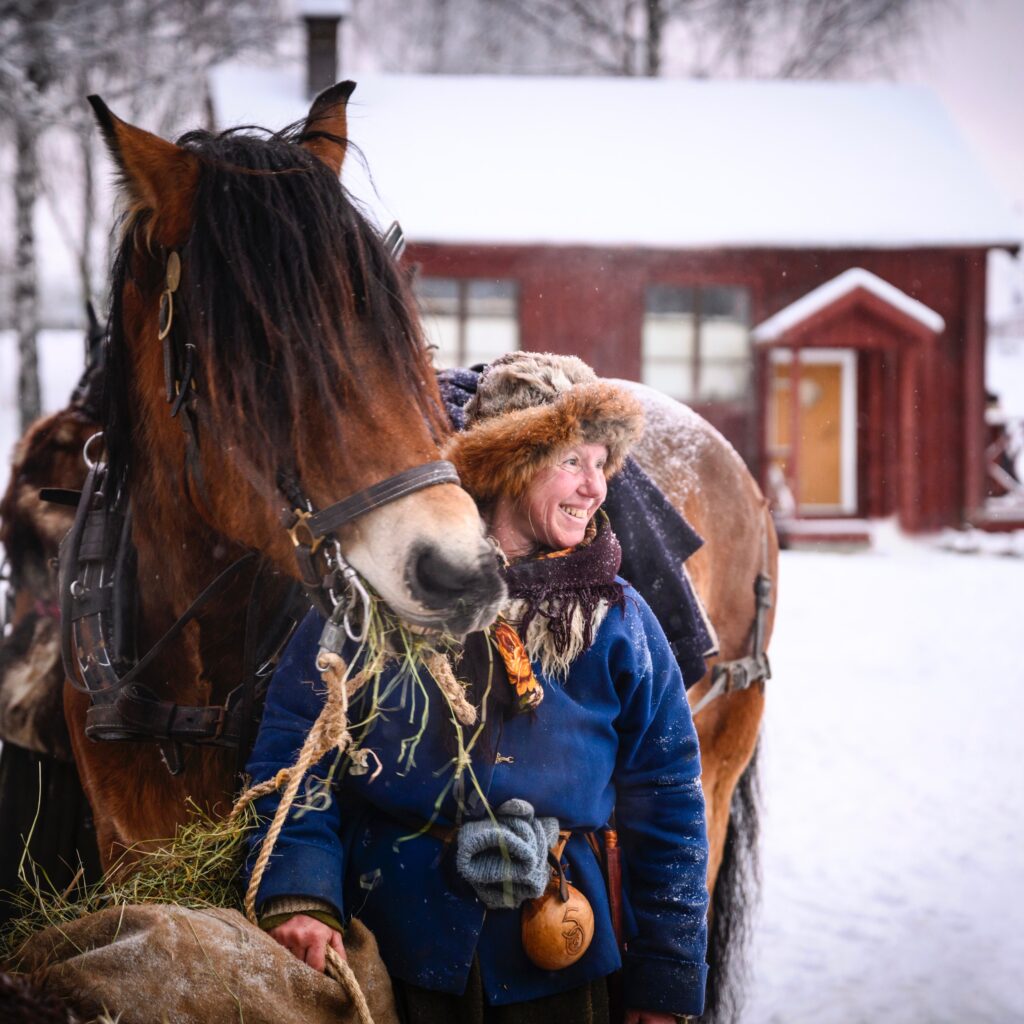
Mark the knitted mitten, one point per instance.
(506, 860)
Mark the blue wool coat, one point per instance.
(616, 733)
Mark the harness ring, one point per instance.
(91, 463)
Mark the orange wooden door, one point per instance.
(820, 459)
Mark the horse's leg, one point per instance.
(727, 729)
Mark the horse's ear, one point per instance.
(159, 176)
(326, 132)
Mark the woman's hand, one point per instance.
(308, 939)
(649, 1017)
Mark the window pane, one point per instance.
(672, 379)
(725, 302)
(668, 339)
(488, 337)
(668, 300)
(437, 294)
(443, 332)
(491, 298)
(724, 339)
(725, 380)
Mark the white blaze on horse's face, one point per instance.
(426, 556)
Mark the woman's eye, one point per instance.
(572, 461)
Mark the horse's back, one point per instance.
(704, 477)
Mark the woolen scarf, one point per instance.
(559, 598)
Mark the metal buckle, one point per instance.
(302, 518)
(221, 721)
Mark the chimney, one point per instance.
(323, 19)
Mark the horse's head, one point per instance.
(293, 336)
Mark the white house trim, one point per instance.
(831, 291)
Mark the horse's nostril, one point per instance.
(462, 593)
(440, 579)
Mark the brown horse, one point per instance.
(707, 481)
(297, 372)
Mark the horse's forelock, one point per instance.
(288, 294)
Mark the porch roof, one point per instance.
(776, 327)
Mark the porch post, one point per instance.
(974, 386)
(762, 369)
(794, 427)
(910, 478)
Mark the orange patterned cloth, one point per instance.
(529, 692)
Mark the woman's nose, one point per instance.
(593, 483)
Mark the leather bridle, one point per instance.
(98, 585)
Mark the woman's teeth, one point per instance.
(576, 513)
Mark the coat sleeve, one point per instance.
(660, 816)
(307, 860)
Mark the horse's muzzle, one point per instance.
(457, 597)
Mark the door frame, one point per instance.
(846, 359)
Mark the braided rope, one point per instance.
(441, 669)
(330, 730)
(338, 969)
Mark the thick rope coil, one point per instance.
(441, 669)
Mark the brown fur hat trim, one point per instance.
(529, 407)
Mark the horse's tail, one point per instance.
(735, 899)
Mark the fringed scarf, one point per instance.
(558, 602)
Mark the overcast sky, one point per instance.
(972, 56)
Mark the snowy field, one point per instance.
(893, 850)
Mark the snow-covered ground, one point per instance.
(893, 848)
(894, 822)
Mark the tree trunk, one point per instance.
(26, 283)
(85, 147)
(655, 25)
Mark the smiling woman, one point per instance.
(481, 876)
(559, 506)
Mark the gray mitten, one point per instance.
(506, 860)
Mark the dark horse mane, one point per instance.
(281, 276)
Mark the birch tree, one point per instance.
(144, 55)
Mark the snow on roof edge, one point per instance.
(831, 291)
(698, 245)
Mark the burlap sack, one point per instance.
(163, 964)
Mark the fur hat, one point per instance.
(530, 405)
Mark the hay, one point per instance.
(199, 868)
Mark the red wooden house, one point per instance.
(731, 243)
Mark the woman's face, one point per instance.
(558, 505)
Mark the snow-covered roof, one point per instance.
(831, 291)
(650, 162)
